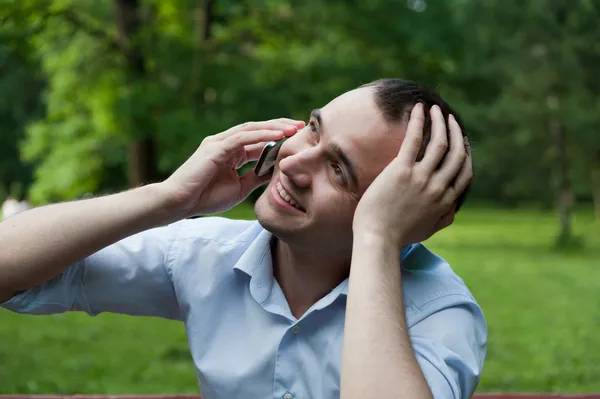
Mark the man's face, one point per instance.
(324, 169)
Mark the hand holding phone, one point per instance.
(209, 181)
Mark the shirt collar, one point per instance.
(257, 263)
(257, 253)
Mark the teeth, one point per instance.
(286, 196)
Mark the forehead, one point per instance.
(354, 122)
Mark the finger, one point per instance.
(446, 220)
(295, 122)
(465, 177)
(438, 145)
(409, 150)
(462, 182)
(456, 155)
(253, 151)
(276, 124)
(250, 182)
(240, 140)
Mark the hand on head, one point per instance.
(411, 200)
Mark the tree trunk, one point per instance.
(203, 18)
(142, 150)
(564, 192)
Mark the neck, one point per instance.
(305, 276)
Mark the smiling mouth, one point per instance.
(288, 198)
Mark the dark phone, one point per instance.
(268, 156)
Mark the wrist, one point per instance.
(376, 236)
(375, 254)
(377, 240)
(164, 208)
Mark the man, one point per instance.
(328, 294)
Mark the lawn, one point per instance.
(542, 307)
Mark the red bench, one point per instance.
(476, 396)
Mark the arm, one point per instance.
(438, 333)
(377, 348)
(39, 244)
(408, 202)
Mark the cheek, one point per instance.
(335, 206)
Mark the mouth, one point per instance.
(284, 198)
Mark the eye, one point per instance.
(338, 173)
(312, 126)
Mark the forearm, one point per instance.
(378, 360)
(37, 245)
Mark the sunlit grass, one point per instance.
(542, 308)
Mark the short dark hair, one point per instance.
(396, 97)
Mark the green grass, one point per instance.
(542, 307)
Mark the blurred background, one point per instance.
(99, 96)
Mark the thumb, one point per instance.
(445, 221)
(250, 182)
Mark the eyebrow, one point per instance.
(337, 150)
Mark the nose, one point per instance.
(299, 167)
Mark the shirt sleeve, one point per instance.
(131, 277)
(450, 347)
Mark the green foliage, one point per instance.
(506, 66)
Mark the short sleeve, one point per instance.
(450, 347)
(131, 277)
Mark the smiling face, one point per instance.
(322, 171)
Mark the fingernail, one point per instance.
(452, 118)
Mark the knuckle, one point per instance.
(442, 146)
(437, 190)
(404, 174)
(248, 125)
(417, 140)
(459, 155)
(421, 182)
(234, 139)
(208, 140)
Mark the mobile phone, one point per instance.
(268, 156)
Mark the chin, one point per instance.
(264, 214)
(271, 221)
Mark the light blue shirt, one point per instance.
(216, 276)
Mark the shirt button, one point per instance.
(296, 331)
(288, 396)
